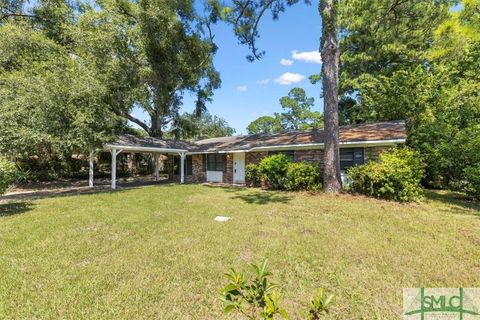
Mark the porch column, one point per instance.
(182, 167)
(90, 170)
(157, 174)
(114, 152)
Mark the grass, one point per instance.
(155, 252)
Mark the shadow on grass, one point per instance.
(263, 197)
(254, 196)
(459, 203)
(74, 191)
(14, 208)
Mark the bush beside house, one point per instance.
(252, 174)
(273, 170)
(279, 173)
(302, 176)
(397, 175)
(7, 174)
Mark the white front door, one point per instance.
(239, 167)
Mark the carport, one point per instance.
(154, 146)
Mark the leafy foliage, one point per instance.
(257, 298)
(320, 305)
(51, 102)
(302, 176)
(472, 181)
(7, 174)
(274, 169)
(254, 298)
(297, 115)
(397, 175)
(265, 124)
(190, 126)
(156, 51)
(252, 173)
(423, 68)
(384, 44)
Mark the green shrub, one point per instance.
(7, 174)
(302, 176)
(396, 176)
(472, 180)
(273, 169)
(252, 174)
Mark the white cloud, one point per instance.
(242, 88)
(289, 78)
(263, 82)
(286, 62)
(307, 56)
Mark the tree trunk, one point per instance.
(330, 53)
(155, 128)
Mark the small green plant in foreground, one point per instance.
(258, 298)
(320, 305)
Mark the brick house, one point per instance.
(224, 159)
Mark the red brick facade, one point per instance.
(199, 164)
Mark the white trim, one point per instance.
(289, 147)
(321, 145)
(114, 153)
(391, 142)
(222, 151)
(144, 149)
(90, 170)
(182, 166)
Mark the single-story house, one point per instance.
(224, 159)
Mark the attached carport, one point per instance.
(154, 146)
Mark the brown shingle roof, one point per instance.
(149, 142)
(379, 131)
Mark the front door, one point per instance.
(239, 167)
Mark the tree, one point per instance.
(153, 52)
(265, 124)
(190, 126)
(448, 132)
(51, 105)
(245, 16)
(385, 62)
(297, 116)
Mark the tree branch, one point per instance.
(137, 121)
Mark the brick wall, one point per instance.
(312, 156)
(198, 166)
(228, 173)
(198, 175)
(254, 157)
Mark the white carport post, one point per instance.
(114, 167)
(90, 170)
(182, 166)
(157, 169)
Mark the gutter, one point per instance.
(307, 146)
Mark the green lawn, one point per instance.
(155, 252)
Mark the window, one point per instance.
(350, 157)
(289, 153)
(216, 161)
(188, 165)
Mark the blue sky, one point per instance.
(250, 90)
